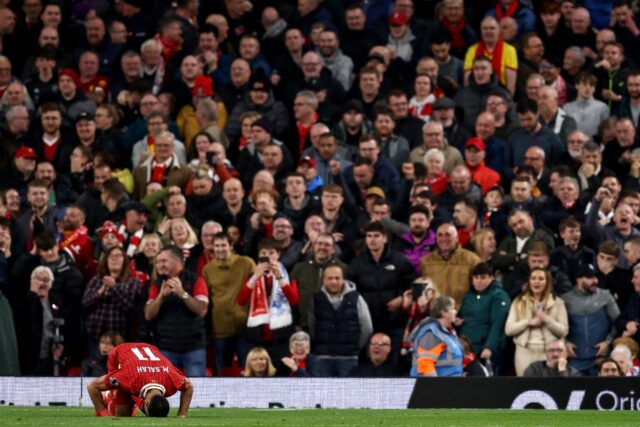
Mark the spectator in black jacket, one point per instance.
(34, 220)
(382, 275)
(339, 323)
(571, 254)
(34, 330)
(537, 256)
(610, 276)
(301, 363)
(627, 323)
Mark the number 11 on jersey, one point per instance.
(147, 350)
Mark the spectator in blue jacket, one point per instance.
(592, 312)
(436, 349)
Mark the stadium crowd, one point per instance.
(321, 187)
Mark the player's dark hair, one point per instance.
(158, 406)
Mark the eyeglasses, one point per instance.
(555, 350)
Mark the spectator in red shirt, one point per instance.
(178, 302)
(75, 236)
(95, 86)
(270, 296)
(52, 144)
(474, 155)
(465, 217)
(142, 376)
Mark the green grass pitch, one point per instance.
(63, 416)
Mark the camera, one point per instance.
(56, 324)
(162, 278)
(57, 340)
(263, 260)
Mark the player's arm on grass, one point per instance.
(95, 389)
(185, 398)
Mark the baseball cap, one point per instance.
(354, 104)
(85, 115)
(476, 142)
(398, 18)
(25, 152)
(586, 270)
(309, 160)
(443, 104)
(375, 191)
(259, 83)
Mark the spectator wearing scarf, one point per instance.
(503, 56)
(270, 295)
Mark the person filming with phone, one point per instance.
(416, 303)
(270, 296)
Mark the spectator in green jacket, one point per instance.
(483, 313)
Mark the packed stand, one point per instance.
(321, 188)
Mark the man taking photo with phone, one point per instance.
(270, 296)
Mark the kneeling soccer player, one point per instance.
(139, 375)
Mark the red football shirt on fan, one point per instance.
(134, 368)
(200, 291)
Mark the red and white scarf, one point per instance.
(274, 310)
(422, 109)
(134, 241)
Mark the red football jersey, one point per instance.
(135, 368)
